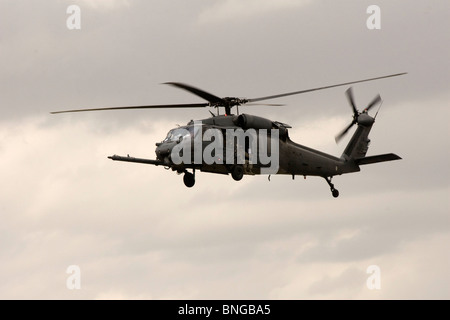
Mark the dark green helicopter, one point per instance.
(244, 144)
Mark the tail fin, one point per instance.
(358, 144)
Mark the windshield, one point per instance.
(175, 134)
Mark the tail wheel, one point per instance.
(335, 193)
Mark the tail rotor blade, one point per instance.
(344, 132)
(373, 103)
(351, 100)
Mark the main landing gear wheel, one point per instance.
(237, 172)
(189, 179)
(334, 192)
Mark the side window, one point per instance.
(195, 129)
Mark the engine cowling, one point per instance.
(246, 121)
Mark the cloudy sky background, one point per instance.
(137, 232)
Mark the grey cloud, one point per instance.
(137, 232)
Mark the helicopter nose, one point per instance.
(163, 150)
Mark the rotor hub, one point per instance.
(364, 119)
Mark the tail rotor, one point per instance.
(361, 118)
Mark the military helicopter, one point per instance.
(199, 145)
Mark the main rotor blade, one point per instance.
(198, 92)
(351, 100)
(374, 102)
(321, 88)
(265, 104)
(192, 105)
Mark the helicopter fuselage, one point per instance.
(266, 147)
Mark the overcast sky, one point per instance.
(136, 232)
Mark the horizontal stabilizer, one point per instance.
(378, 158)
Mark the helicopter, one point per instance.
(243, 144)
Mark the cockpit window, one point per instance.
(176, 133)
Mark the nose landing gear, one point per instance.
(334, 191)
